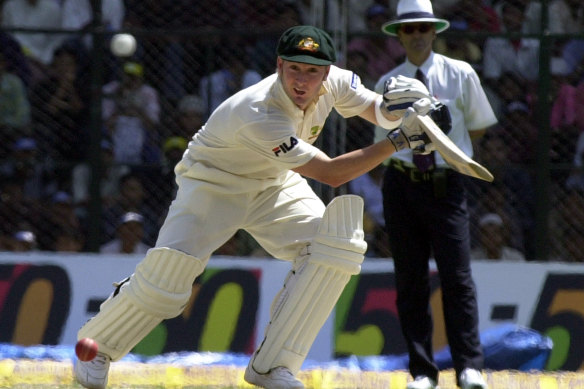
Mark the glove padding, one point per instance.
(400, 93)
(410, 134)
(439, 114)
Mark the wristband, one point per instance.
(382, 121)
(398, 139)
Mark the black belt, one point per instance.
(414, 174)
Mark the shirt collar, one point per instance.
(288, 104)
(323, 90)
(425, 66)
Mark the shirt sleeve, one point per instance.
(478, 113)
(380, 132)
(351, 96)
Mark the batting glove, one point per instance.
(436, 110)
(399, 93)
(410, 134)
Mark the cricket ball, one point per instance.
(123, 45)
(86, 349)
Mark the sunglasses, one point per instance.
(411, 28)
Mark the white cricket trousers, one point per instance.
(282, 218)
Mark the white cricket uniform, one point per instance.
(236, 172)
(455, 84)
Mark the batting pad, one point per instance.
(311, 292)
(159, 289)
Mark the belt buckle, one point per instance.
(422, 176)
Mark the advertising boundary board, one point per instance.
(46, 297)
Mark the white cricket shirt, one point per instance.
(257, 135)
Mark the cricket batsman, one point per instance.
(246, 169)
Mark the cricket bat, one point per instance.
(454, 156)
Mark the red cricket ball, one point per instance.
(86, 349)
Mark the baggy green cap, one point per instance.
(307, 44)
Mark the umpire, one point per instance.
(425, 205)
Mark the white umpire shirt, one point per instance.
(456, 84)
(254, 138)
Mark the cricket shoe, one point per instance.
(278, 378)
(93, 374)
(422, 382)
(471, 379)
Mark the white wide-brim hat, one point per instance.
(414, 11)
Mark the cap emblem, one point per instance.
(308, 44)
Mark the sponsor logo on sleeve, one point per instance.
(285, 147)
(354, 81)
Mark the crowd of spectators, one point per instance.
(506, 55)
(155, 100)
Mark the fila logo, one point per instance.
(285, 147)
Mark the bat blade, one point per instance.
(454, 156)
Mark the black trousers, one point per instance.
(426, 215)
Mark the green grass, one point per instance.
(33, 374)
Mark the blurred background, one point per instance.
(88, 140)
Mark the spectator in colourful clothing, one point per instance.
(129, 236)
(475, 15)
(35, 14)
(494, 241)
(503, 54)
(132, 197)
(58, 215)
(60, 106)
(110, 175)
(16, 61)
(234, 74)
(25, 164)
(24, 241)
(17, 210)
(568, 93)
(186, 118)
(131, 109)
(14, 105)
